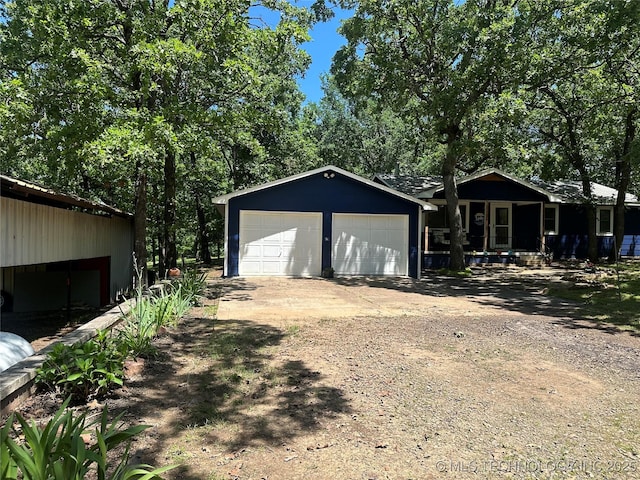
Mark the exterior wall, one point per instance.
(525, 227)
(525, 218)
(572, 239)
(33, 234)
(316, 193)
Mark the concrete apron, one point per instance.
(278, 298)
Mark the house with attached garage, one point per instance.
(58, 250)
(320, 219)
(509, 219)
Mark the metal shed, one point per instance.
(57, 249)
(323, 218)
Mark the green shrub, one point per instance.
(58, 450)
(83, 370)
(192, 286)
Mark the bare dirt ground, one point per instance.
(457, 378)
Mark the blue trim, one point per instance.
(442, 260)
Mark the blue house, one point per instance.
(511, 218)
(324, 218)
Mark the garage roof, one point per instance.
(328, 170)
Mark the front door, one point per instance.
(501, 225)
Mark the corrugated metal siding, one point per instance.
(36, 234)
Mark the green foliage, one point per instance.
(97, 97)
(150, 313)
(92, 368)
(84, 370)
(58, 450)
(192, 286)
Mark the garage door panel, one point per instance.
(280, 243)
(370, 244)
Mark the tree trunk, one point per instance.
(623, 179)
(592, 237)
(456, 233)
(203, 236)
(590, 206)
(162, 269)
(169, 224)
(140, 224)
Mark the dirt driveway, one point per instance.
(389, 379)
(416, 379)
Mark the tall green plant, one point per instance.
(58, 450)
(82, 370)
(192, 286)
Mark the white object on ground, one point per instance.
(13, 348)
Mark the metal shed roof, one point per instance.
(30, 192)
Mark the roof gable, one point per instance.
(327, 171)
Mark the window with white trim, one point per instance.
(551, 219)
(604, 220)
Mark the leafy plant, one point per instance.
(82, 370)
(58, 450)
(136, 342)
(192, 286)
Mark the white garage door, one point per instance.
(370, 244)
(280, 243)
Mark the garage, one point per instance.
(325, 218)
(370, 244)
(280, 243)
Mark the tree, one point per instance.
(445, 60)
(585, 111)
(116, 100)
(366, 136)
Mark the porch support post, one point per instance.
(485, 241)
(543, 240)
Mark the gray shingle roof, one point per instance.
(409, 184)
(557, 191)
(571, 191)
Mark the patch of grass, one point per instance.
(215, 476)
(456, 273)
(177, 454)
(608, 299)
(293, 330)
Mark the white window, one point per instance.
(551, 219)
(604, 220)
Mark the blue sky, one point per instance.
(325, 41)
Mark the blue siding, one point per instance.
(572, 238)
(442, 260)
(316, 193)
